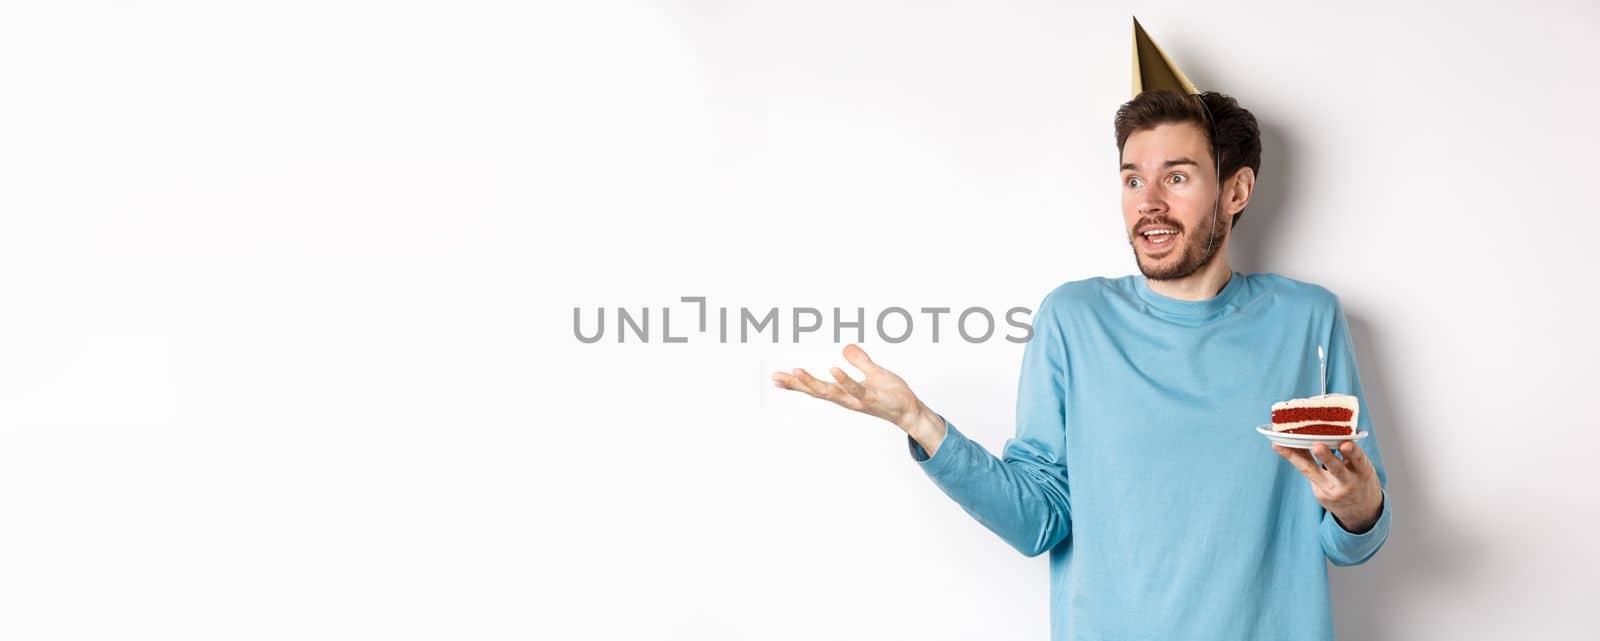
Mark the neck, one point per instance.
(1202, 284)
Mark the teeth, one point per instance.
(1159, 231)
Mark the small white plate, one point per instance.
(1307, 441)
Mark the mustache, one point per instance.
(1152, 222)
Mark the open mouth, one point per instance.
(1159, 239)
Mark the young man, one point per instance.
(1136, 463)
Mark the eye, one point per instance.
(1176, 178)
(1132, 180)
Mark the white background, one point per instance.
(286, 347)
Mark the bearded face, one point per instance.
(1167, 250)
(1170, 201)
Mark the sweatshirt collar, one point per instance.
(1209, 308)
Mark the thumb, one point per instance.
(858, 357)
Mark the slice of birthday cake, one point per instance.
(1328, 414)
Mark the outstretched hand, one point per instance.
(880, 393)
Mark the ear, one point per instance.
(1238, 190)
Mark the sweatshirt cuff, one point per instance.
(1348, 548)
(947, 451)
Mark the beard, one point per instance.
(1193, 254)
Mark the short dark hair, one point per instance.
(1238, 142)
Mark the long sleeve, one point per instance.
(1340, 545)
(1023, 496)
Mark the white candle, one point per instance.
(1322, 365)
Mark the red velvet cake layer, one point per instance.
(1322, 429)
(1311, 414)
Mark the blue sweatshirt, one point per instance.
(1137, 465)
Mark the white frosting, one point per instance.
(1345, 401)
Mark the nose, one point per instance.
(1150, 201)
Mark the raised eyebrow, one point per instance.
(1128, 166)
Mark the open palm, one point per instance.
(880, 393)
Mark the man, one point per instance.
(1135, 462)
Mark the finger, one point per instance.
(1321, 454)
(1291, 455)
(1354, 454)
(858, 357)
(793, 381)
(1301, 460)
(850, 385)
(1337, 468)
(783, 380)
(789, 381)
(827, 391)
(823, 389)
(811, 385)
